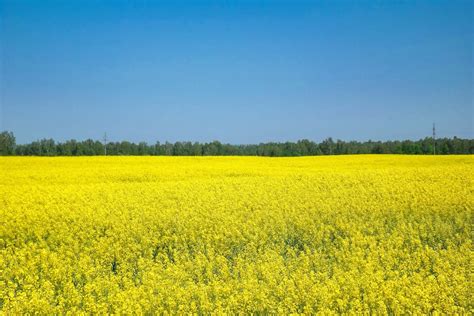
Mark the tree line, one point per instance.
(89, 147)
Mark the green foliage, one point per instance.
(89, 147)
(7, 143)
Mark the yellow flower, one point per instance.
(176, 235)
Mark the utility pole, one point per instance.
(105, 144)
(434, 139)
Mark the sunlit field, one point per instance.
(381, 234)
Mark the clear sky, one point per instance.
(236, 71)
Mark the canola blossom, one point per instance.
(380, 234)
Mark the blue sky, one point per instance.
(236, 71)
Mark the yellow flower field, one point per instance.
(376, 233)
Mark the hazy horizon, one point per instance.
(240, 72)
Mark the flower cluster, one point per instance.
(344, 234)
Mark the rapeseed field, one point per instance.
(171, 235)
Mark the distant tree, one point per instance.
(377, 148)
(90, 147)
(7, 143)
(125, 148)
(47, 147)
(340, 148)
(196, 149)
(327, 146)
(304, 147)
(179, 149)
(168, 149)
(212, 149)
(143, 149)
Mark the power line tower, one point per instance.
(434, 139)
(105, 144)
